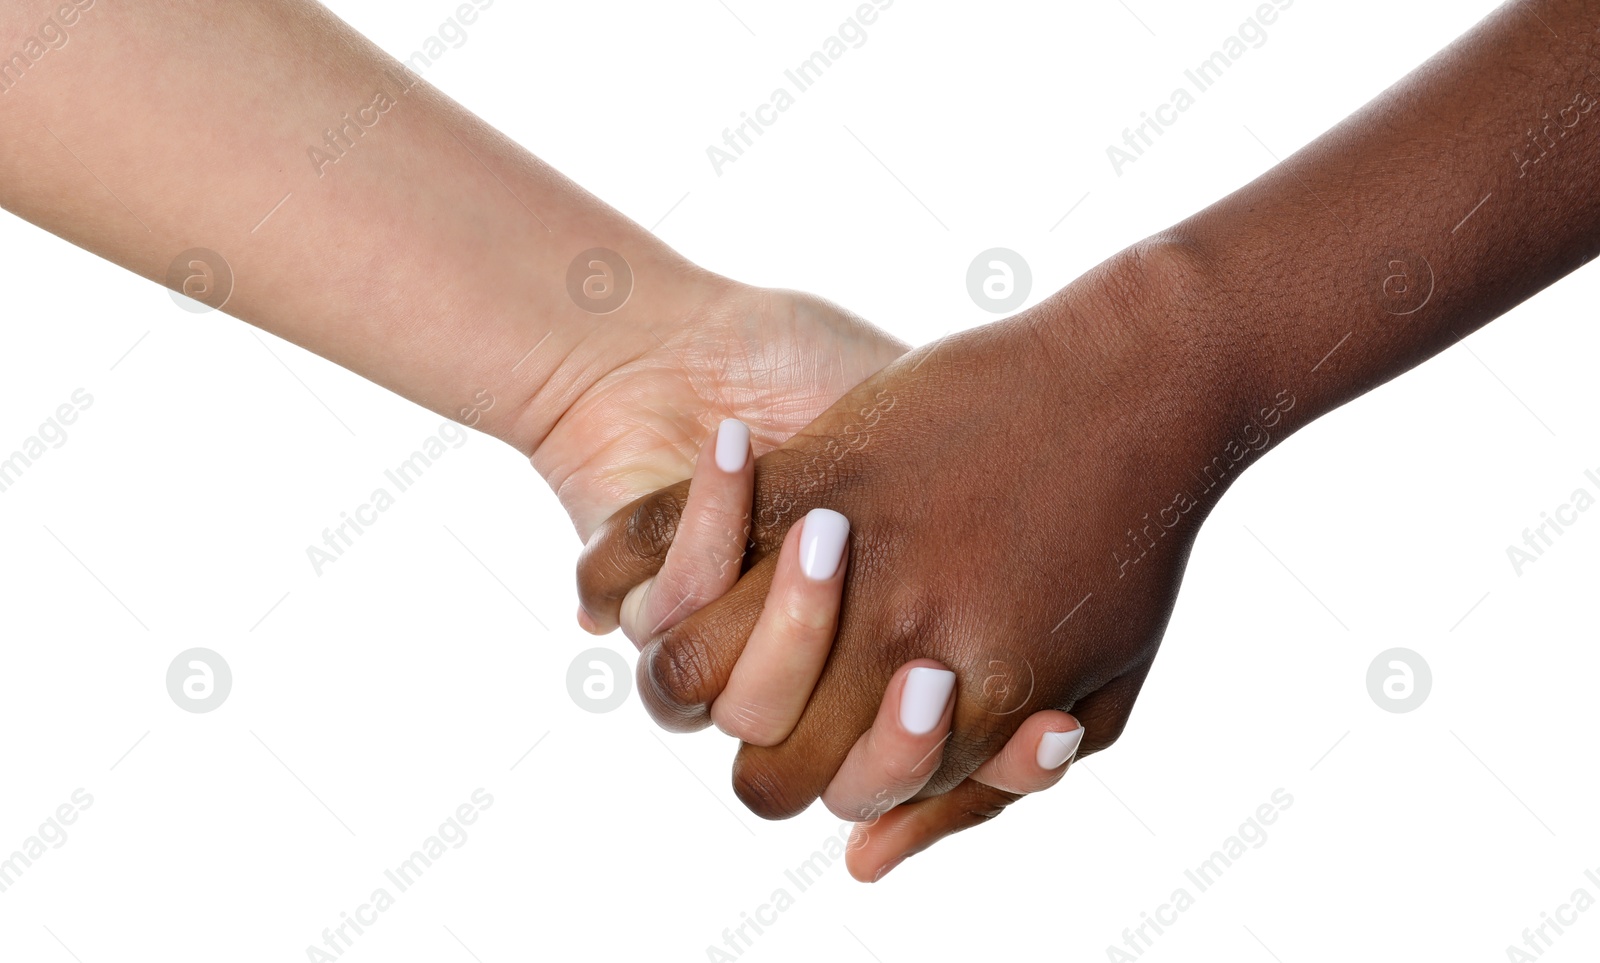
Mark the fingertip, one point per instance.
(877, 848)
(866, 857)
(824, 533)
(1057, 748)
(597, 623)
(656, 674)
(925, 697)
(893, 760)
(629, 614)
(733, 445)
(886, 869)
(1037, 756)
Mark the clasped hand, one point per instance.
(897, 609)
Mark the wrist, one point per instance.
(1182, 392)
(581, 347)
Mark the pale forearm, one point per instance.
(364, 215)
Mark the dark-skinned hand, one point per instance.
(1022, 499)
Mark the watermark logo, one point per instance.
(1252, 439)
(598, 680)
(1006, 683)
(51, 834)
(199, 680)
(337, 539)
(1253, 833)
(51, 35)
(52, 433)
(1549, 133)
(817, 469)
(851, 35)
(451, 834)
(1405, 282)
(1538, 939)
(738, 938)
(1251, 35)
(1552, 525)
(201, 280)
(1399, 680)
(998, 280)
(599, 280)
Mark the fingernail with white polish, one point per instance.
(733, 444)
(923, 699)
(822, 538)
(1057, 748)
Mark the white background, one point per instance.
(370, 702)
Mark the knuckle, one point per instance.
(851, 811)
(882, 803)
(749, 723)
(686, 583)
(677, 672)
(891, 792)
(1105, 718)
(804, 618)
(670, 713)
(626, 548)
(764, 791)
(684, 586)
(1104, 736)
(672, 599)
(711, 541)
(908, 624)
(729, 513)
(652, 524)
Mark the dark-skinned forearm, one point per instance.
(1460, 192)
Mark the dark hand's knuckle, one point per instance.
(652, 524)
(677, 672)
(668, 714)
(764, 792)
(1105, 735)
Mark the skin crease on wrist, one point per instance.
(1028, 492)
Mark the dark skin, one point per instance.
(1027, 493)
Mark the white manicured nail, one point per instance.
(822, 538)
(922, 701)
(733, 444)
(1057, 748)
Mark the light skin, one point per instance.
(1028, 492)
(430, 257)
(137, 155)
(370, 219)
